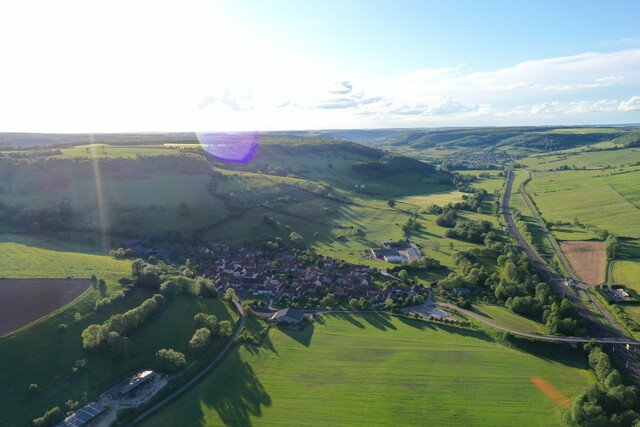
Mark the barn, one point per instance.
(288, 315)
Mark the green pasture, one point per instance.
(52, 354)
(375, 370)
(611, 202)
(583, 159)
(503, 316)
(626, 273)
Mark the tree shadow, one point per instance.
(236, 394)
(302, 336)
(349, 318)
(378, 321)
(415, 323)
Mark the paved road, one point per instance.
(198, 377)
(620, 354)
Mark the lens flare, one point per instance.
(231, 147)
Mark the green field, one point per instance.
(51, 355)
(377, 370)
(605, 200)
(626, 273)
(22, 261)
(503, 316)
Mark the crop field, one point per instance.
(374, 369)
(587, 258)
(23, 301)
(505, 317)
(52, 355)
(439, 199)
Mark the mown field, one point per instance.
(595, 198)
(626, 273)
(376, 370)
(51, 355)
(505, 317)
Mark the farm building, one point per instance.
(288, 315)
(83, 416)
(131, 385)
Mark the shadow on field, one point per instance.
(349, 318)
(550, 352)
(236, 395)
(378, 321)
(302, 336)
(421, 324)
(418, 324)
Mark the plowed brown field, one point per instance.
(23, 301)
(588, 259)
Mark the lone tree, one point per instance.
(200, 338)
(391, 203)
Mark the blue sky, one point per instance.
(74, 66)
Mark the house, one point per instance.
(288, 315)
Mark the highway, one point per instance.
(624, 358)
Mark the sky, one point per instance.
(122, 66)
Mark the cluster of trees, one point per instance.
(170, 281)
(521, 290)
(447, 217)
(105, 304)
(472, 231)
(424, 263)
(51, 417)
(209, 322)
(612, 247)
(610, 403)
(111, 335)
(391, 164)
(170, 361)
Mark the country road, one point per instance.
(199, 376)
(623, 357)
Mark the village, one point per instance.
(285, 274)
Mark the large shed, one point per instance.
(288, 315)
(83, 416)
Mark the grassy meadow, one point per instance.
(375, 369)
(503, 316)
(602, 199)
(626, 273)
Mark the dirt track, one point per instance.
(587, 259)
(23, 301)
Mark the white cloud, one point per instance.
(545, 107)
(631, 104)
